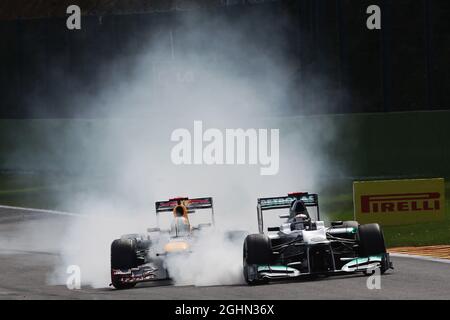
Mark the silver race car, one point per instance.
(303, 246)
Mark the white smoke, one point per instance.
(214, 260)
(132, 148)
(86, 244)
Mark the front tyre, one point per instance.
(257, 251)
(371, 243)
(123, 257)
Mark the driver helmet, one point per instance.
(298, 211)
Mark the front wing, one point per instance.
(146, 272)
(257, 272)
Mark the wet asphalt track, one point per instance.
(23, 275)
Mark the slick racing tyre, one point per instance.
(257, 251)
(371, 241)
(123, 257)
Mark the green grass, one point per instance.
(43, 192)
(430, 233)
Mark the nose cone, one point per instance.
(176, 246)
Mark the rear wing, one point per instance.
(309, 199)
(190, 204)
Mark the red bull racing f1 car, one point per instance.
(138, 258)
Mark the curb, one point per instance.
(425, 258)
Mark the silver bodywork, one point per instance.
(312, 240)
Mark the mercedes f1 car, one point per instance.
(138, 258)
(302, 245)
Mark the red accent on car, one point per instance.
(295, 194)
(179, 198)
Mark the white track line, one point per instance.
(413, 256)
(62, 213)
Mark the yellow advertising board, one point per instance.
(395, 202)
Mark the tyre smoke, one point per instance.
(218, 76)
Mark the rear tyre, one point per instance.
(257, 251)
(123, 257)
(371, 242)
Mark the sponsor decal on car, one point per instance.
(142, 273)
